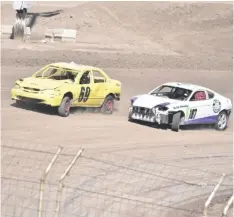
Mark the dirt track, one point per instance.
(141, 48)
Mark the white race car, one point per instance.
(175, 104)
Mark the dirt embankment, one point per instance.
(156, 34)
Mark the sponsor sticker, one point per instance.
(181, 106)
(216, 106)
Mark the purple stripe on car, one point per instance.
(206, 120)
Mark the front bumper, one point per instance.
(35, 97)
(147, 115)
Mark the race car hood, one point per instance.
(42, 84)
(150, 101)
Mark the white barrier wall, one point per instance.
(60, 34)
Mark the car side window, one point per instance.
(166, 89)
(85, 78)
(210, 94)
(198, 96)
(98, 77)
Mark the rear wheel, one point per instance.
(64, 108)
(221, 122)
(176, 122)
(108, 105)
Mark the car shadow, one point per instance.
(182, 128)
(48, 110)
(75, 110)
(148, 124)
(198, 127)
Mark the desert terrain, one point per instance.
(126, 169)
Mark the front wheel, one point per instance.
(221, 122)
(176, 119)
(108, 105)
(64, 108)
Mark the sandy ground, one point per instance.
(126, 169)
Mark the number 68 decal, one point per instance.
(84, 94)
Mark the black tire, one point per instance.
(175, 125)
(221, 122)
(108, 105)
(64, 108)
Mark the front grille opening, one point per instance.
(142, 110)
(31, 89)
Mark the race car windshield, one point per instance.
(56, 73)
(172, 92)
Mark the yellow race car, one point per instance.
(65, 85)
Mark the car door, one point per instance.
(99, 86)
(199, 107)
(214, 106)
(83, 89)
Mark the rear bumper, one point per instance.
(35, 98)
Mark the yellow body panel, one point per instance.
(44, 90)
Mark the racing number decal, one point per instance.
(192, 113)
(84, 94)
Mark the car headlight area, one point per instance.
(17, 86)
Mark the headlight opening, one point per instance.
(17, 86)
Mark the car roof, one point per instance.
(188, 86)
(72, 66)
